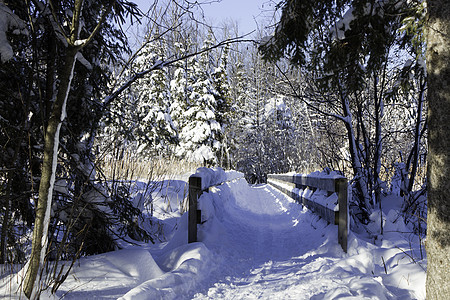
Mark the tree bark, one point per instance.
(438, 172)
(355, 158)
(378, 149)
(51, 143)
(5, 224)
(378, 143)
(417, 135)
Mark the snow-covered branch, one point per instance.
(105, 12)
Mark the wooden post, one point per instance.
(341, 190)
(195, 190)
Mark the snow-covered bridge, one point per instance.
(254, 243)
(324, 194)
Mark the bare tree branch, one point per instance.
(303, 99)
(159, 65)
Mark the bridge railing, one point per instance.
(324, 195)
(194, 216)
(201, 182)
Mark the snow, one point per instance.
(80, 42)
(338, 30)
(276, 105)
(187, 265)
(341, 26)
(255, 243)
(8, 22)
(202, 153)
(84, 61)
(210, 176)
(265, 40)
(216, 176)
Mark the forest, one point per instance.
(89, 103)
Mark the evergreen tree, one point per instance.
(200, 132)
(223, 99)
(180, 85)
(238, 97)
(251, 158)
(59, 73)
(155, 130)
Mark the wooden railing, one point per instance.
(334, 210)
(195, 216)
(196, 189)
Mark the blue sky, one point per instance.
(245, 12)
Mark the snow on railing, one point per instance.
(201, 181)
(326, 195)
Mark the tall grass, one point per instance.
(130, 166)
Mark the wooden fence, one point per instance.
(196, 189)
(194, 217)
(335, 214)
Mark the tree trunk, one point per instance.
(51, 143)
(355, 158)
(438, 172)
(417, 134)
(357, 167)
(378, 141)
(378, 149)
(5, 224)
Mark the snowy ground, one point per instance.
(255, 244)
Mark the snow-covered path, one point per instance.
(260, 252)
(275, 249)
(261, 224)
(255, 243)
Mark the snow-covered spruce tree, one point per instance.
(200, 133)
(312, 135)
(280, 135)
(162, 134)
(224, 113)
(238, 96)
(250, 156)
(155, 132)
(263, 127)
(180, 84)
(250, 128)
